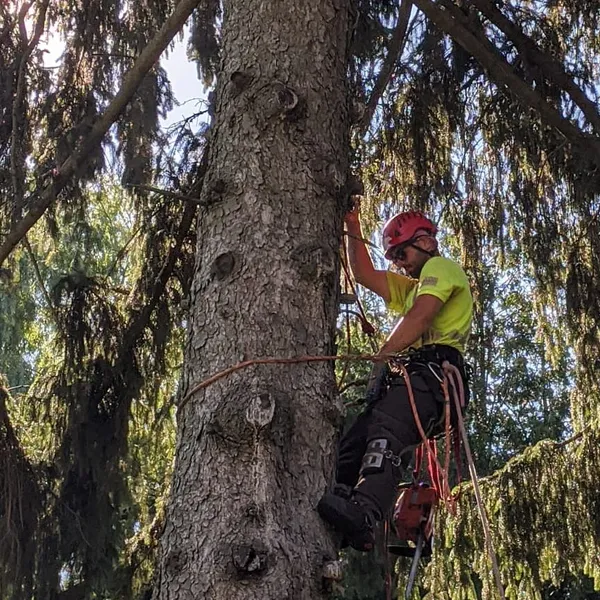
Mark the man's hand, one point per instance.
(360, 261)
(351, 218)
(377, 378)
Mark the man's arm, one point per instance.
(361, 264)
(414, 324)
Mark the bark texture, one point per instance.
(255, 451)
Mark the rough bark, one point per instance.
(255, 450)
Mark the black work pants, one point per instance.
(389, 417)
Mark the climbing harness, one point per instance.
(413, 515)
(414, 511)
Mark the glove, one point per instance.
(377, 380)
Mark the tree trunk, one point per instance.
(255, 450)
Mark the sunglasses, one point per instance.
(399, 252)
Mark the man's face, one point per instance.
(410, 258)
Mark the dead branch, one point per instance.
(395, 47)
(168, 194)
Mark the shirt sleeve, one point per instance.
(399, 286)
(436, 280)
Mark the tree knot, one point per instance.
(260, 410)
(250, 559)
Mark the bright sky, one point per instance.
(187, 88)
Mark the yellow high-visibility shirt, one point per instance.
(446, 280)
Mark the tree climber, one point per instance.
(434, 299)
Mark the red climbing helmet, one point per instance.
(402, 228)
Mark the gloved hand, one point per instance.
(377, 379)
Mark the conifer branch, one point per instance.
(168, 193)
(455, 23)
(40, 201)
(547, 64)
(395, 47)
(40, 280)
(18, 116)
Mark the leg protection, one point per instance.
(372, 461)
(379, 476)
(351, 449)
(392, 434)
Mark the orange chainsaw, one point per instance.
(413, 524)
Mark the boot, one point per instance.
(349, 518)
(343, 490)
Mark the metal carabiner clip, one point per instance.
(438, 376)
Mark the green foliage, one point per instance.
(95, 419)
(364, 575)
(542, 532)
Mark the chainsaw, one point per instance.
(413, 524)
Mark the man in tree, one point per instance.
(434, 299)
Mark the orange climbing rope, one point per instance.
(271, 360)
(443, 485)
(452, 385)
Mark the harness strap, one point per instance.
(452, 386)
(442, 486)
(453, 376)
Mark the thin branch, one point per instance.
(555, 444)
(21, 19)
(121, 253)
(574, 437)
(168, 194)
(16, 142)
(74, 163)
(355, 383)
(40, 281)
(455, 23)
(140, 320)
(136, 327)
(395, 48)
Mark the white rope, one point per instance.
(451, 369)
